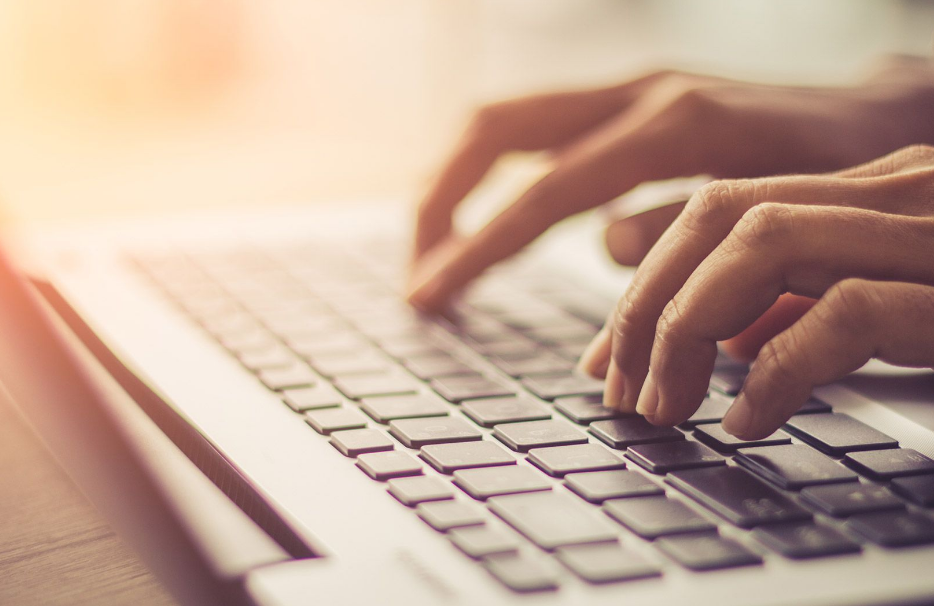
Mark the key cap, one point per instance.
(894, 528)
(711, 410)
(598, 486)
(551, 387)
(584, 410)
(458, 389)
(552, 520)
(540, 364)
(728, 381)
(715, 436)
(561, 460)
(522, 574)
(562, 335)
(311, 345)
(448, 458)
(262, 359)
(354, 442)
(309, 398)
(387, 465)
(837, 433)
(419, 489)
(888, 464)
(488, 413)
(606, 563)
(415, 406)
(416, 433)
(738, 496)
(842, 500)
(538, 434)
(350, 364)
(703, 552)
(804, 540)
(433, 367)
(517, 347)
(445, 515)
(278, 379)
(409, 346)
(671, 456)
(814, 406)
(481, 542)
(356, 387)
(485, 482)
(918, 489)
(653, 517)
(629, 431)
(794, 466)
(326, 420)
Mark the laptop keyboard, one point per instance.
(477, 422)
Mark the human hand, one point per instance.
(606, 141)
(860, 241)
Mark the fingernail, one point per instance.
(738, 418)
(648, 397)
(595, 355)
(613, 388)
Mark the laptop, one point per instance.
(338, 447)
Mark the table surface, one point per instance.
(55, 548)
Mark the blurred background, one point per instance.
(134, 106)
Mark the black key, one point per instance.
(354, 442)
(894, 528)
(415, 406)
(703, 552)
(388, 465)
(711, 410)
(606, 563)
(458, 389)
(837, 433)
(585, 409)
(420, 489)
(672, 456)
(278, 379)
(715, 436)
(538, 434)
(918, 489)
(728, 381)
(653, 517)
(326, 420)
(432, 367)
(551, 387)
(888, 464)
(804, 540)
(561, 460)
(356, 387)
(486, 482)
(794, 466)
(505, 410)
(309, 398)
(482, 541)
(522, 574)
(814, 406)
(516, 347)
(738, 496)
(350, 364)
(552, 520)
(629, 431)
(563, 335)
(448, 458)
(445, 515)
(841, 500)
(598, 486)
(539, 364)
(416, 433)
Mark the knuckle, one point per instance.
(777, 356)
(717, 203)
(764, 225)
(913, 155)
(671, 324)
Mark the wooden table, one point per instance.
(54, 546)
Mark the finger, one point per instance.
(773, 249)
(854, 321)
(786, 311)
(629, 240)
(707, 219)
(595, 359)
(527, 124)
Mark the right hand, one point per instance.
(606, 141)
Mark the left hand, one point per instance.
(861, 241)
